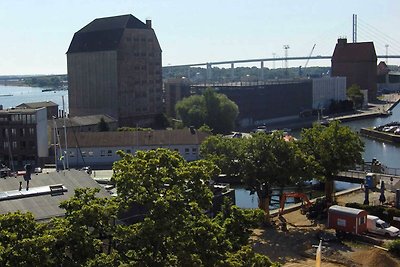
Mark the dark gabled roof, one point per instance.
(136, 138)
(46, 206)
(354, 52)
(382, 68)
(42, 104)
(103, 34)
(82, 121)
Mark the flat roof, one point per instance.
(45, 206)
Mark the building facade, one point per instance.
(328, 89)
(175, 90)
(52, 108)
(269, 102)
(114, 68)
(99, 148)
(24, 137)
(357, 62)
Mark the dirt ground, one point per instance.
(297, 246)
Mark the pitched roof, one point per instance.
(354, 52)
(382, 68)
(38, 104)
(46, 206)
(103, 34)
(82, 120)
(135, 138)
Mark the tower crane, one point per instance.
(308, 59)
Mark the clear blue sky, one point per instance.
(35, 34)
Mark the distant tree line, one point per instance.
(53, 81)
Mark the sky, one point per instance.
(35, 34)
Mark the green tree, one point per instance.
(192, 110)
(355, 94)
(102, 126)
(176, 230)
(224, 152)
(23, 242)
(335, 148)
(269, 160)
(210, 108)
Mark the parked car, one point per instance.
(380, 227)
(38, 170)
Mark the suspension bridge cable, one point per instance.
(367, 35)
(379, 39)
(378, 30)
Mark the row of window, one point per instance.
(110, 153)
(22, 132)
(24, 118)
(22, 145)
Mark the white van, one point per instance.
(380, 227)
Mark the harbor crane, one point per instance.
(308, 59)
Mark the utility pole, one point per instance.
(273, 62)
(387, 50)
(286, 47)
(354, 28)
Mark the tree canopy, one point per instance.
(335, 148)
(213, 109)
(355, 94)
(224, 152)
(175, 230)
(262, 161)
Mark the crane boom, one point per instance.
(308, 59)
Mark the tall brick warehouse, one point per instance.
(114, 68)
(357, 62)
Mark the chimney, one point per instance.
(148, 23)
(342, 41)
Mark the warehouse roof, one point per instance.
(45, 206)
(136, 138)
(354, 52)
(38, 104)
(82, 121)
(103, 34)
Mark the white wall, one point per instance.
(41, 132)
(327, 89)
(101, 156)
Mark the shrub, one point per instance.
(394, 247)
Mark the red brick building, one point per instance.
(357, 62)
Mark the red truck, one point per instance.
(347, 220)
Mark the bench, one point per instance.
(56, 188)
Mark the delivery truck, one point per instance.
(380, 227)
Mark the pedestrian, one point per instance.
(27, 175)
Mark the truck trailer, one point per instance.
(347, 220)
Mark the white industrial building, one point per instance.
(99, 148)
(326, 89)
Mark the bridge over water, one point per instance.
(391, 176)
